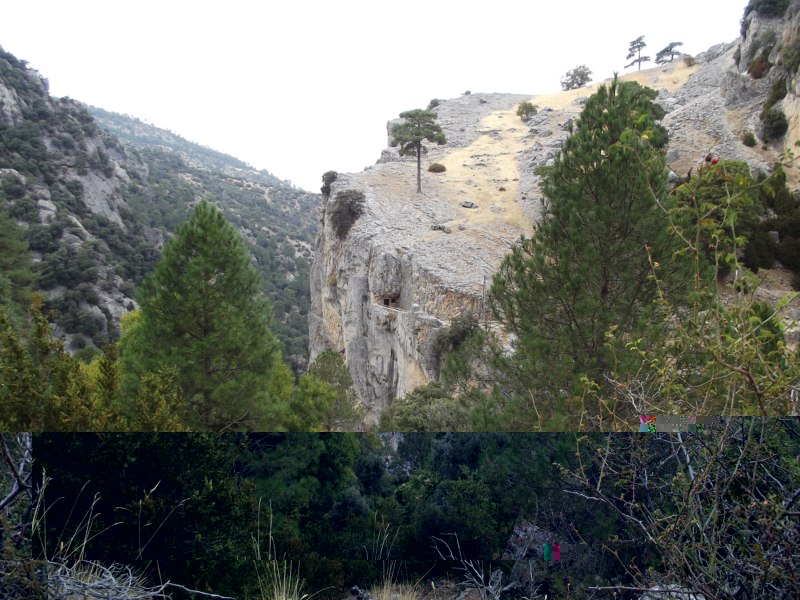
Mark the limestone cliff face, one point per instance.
(412, 262)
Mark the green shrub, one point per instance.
(437, 168)
(759, 67)
(25, 209)
(777, 93)
(327, 179)
(791, 56)
(737, 57)
(12, 188)
(526, 110)
(347, 207)
(453, 337)
(433, 104)
(760, 251)
(748, 139)
(789, 253)
(775, 125)
(767, 8)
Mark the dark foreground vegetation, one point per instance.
(714, 510)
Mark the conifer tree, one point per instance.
(668, 53)
(586, 272)
(203, 313)
(42, 387)
(635, 49)
(418, 126)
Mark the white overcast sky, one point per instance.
(301, 87)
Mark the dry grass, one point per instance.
(496, 167)
(388, 589)
(277, 579)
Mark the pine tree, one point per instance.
(204, 314)
(668, 53)
(586, 272)
(418, 126)
(635, 49)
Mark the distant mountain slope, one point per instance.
(64, 180)
(139, 134)
(279, 220)
(96, 210)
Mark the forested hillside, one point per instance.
(94, 232)
(63, 181)
(278, 224)
(278, 220)
(95, 213)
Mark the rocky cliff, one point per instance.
(411, 263)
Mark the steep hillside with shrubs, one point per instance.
(278, 220)
(95, 210)
(65, 182)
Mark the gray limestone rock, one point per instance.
(399, 280)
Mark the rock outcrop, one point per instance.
(412, 262)
(383, 293)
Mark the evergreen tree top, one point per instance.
(203, 312)
(636, 46)
(419, 125)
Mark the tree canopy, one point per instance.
(576, 78)
(635, 49)
(419, 126)
(668, 53)
(203, 314)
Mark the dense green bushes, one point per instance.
(341, 503)
(767, 8)
(775, 125)
(345, 210)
